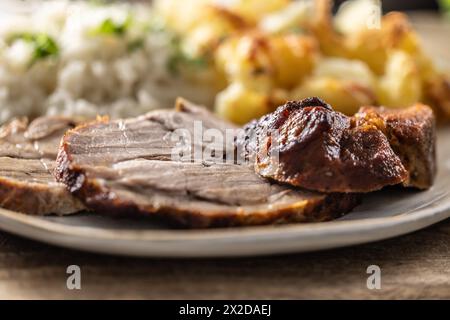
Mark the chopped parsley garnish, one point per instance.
(109, 27)
(43, 45)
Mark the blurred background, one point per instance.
(389, 5)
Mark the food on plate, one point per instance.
(264, 65)
(63, 64)
(191, 168)
(241, 58)
(298, 49)
(129, 167)
(27, 159)
(84, 59)
(320, 149)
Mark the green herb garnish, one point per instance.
(43, 45)
(109, 27)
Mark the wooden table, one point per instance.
(413, 266)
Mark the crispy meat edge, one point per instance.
(36, 198)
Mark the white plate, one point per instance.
(382, 215)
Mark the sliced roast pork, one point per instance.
(27, 160)
(324, 150)
(136, 166)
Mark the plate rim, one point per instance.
(231, 242)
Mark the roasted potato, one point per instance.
(345, 84)
(181, 16)
(263, 62)
(265, 52)
(239, 104)
(236, 104)
(346, 69)
(345, 96)
(295, 17)
(254, 10)
(401, 85)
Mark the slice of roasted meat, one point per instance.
(27, 160)
(127, 167)
(307, 144)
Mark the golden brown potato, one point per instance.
(294, 57)
(331, 42)
(395, 34)
(205, 36)
(255, 10)
(181, 16)
(346, 69)
(373, 46)
(246, 59)
(401, 85)
(264, 62)
(345, 96)
(240, 104)
(201, 23)
(295, 17)
(345, 84)
(264, 52)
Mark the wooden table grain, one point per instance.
(412, 266)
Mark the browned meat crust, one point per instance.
(319, 149)
(412, 135)
(134, 175)
(27, 159)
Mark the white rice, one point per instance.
(93, 74)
